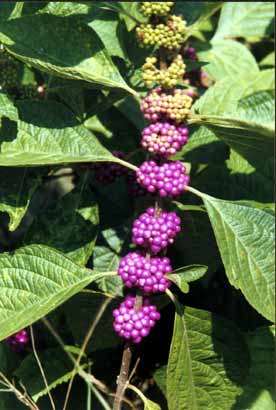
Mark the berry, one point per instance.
(167, 180)
(147, 274)
(9, 71)
(27, 92)
(166, 78)
(164, 138)
(169, 35)
(19, 340)
(157, 8)
(190, 53)
(132, 324)
(158, 105)
(155, 231)
(107, 172)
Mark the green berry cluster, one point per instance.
(27, 92)
(166, 78)
(156, 7)
(169, 35)
(9, 71)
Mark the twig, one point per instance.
(41, 369)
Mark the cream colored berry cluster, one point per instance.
(167, 78)
(156, 7)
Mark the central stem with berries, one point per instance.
(154, 230)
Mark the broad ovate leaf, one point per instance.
(227, 58)
(61, 46)
(7, 108)
(34, 280)
(48, 133)
(246, 19)
(208, 361)
(245, 237)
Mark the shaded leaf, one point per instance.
(17, 187)
(62, 46)
(182, 276)
(7, 108)
(34, 281)
(69, 225)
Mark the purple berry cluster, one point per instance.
(164, 138)
(168, 180)
(147, 274)
(155, 232)
(107, 172)
(19, 341)
(132, 324)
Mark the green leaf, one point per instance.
(61, 46)
(69, 225)
(182, 276)
(248, 128)
(208, 361)
(56, 365)
(259, 389)
(48, 133)
(17, 187)
(245, 237)
(7, 109)
(148, 404)
(227, 58)
(246, 19)
(81, 311)
(268, 61)
(34, 281)
(195, 12)
(106, 257)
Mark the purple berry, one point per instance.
(107, 172)
(19, 341)
(147, 274)
(155, 232)
(164, 138)
(134, 189)
(167, 180)
(137, 323)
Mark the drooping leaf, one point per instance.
(62, 46)
(208, 361)
(182, 276)
(227, 58)
(7, 108)
(245, 19)
(69, 225)
(17, 187)
(34, 280)
(48, 133)
(259, 391)
(148, 404)
(268, 61)
(245, 237)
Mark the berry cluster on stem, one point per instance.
(167, 108)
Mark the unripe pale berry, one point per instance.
(159, 105)
(167, 180)
(166, 78)
(155, 232)
(132, 324)
(136, 269)
(156, 8)
(169, 35)
(164, 138)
